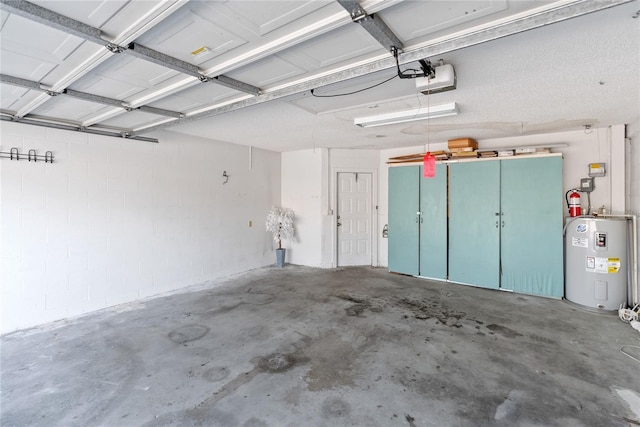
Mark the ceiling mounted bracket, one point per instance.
(355, 10)
(427, 70)
(114, 48)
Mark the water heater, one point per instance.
(596, 262)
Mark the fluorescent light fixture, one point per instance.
(423, 113)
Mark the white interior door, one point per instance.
(354, 220)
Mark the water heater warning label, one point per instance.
(581, 242)
(602, 265)
(614, 265)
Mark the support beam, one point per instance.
(381, 32)
(237, 85)
(17, 81)
(29, 84)
(372, 24)
(94, 98)
(161, 59)
(475, 37)
(73, 128)
(160, 111)
(52, 19)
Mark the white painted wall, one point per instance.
(302, 190)
(309, 188)
(112, 221)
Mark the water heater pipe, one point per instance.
(634, 251)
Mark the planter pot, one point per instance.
(280, 253)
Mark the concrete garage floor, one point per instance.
(309, 347)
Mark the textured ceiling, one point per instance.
(522, 68)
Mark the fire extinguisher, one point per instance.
(575, 207)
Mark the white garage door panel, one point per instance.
(66, 107)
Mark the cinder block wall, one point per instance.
(112, 221)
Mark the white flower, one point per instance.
(280, 223)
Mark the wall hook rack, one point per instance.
(32, 156)
(224, 175)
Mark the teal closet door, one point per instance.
(532, 254)
(474, 201)
(403, 225)
(433, 224)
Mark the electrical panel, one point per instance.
(600, 241)
(597, 169)
(586, 185)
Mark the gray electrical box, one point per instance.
(586, 185)
(597, 169)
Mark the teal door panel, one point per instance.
(403, 225)
(433, 224)
(474, 244)
(531, 237)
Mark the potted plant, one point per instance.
(280, 223)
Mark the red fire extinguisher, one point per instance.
(575, 207)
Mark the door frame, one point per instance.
(375, 262)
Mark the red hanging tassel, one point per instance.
(429, 165)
